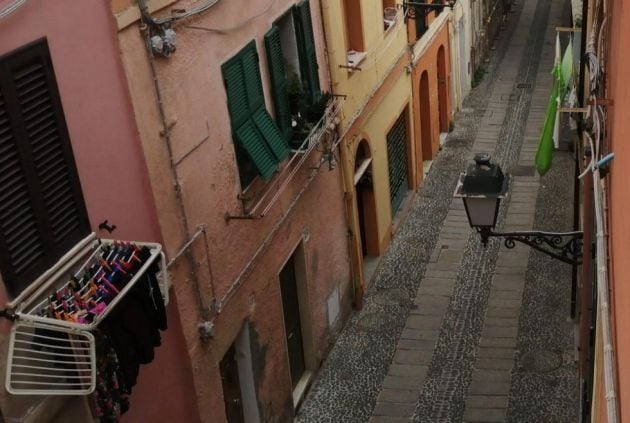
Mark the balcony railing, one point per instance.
(321, 138)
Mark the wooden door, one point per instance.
(292, 322)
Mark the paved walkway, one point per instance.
(452, 331)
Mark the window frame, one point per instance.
(293, 98)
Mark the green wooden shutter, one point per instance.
(257, 150)
(271, 133)
(306, 50)
(236, 90)
(278, 81)
(253, 82)
(421, 21)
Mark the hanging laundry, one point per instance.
(111, 397)
(127, 336)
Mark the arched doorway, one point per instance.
(366, 204)
(425, 118)
(442, 90)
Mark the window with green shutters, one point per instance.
(260, 144)
(42, 212)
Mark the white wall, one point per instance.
(461, 31)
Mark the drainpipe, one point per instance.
(165, 133)
(610, 395)
(586, 280)
(356, 271)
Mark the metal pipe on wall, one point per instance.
(165, 133)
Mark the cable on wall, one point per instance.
(8, 10)
(237, 27)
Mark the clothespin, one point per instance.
(104, 264)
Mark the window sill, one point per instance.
(390, 17)
(354, 59)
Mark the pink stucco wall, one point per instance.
(98, 114)
(84, 49)
(619, 230)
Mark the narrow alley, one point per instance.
(451, 330)
(314, 211)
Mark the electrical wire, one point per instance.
(177, 15)
(11, 8)
(588, 168)
(235, 27)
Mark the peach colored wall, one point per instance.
(428, 62)
(113, 174)
(195, 104)
(619, 194)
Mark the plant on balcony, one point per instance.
(304, 116)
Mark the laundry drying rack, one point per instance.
(49, 356)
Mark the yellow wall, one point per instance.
(382, 48)
(376, 127)
(375, 96)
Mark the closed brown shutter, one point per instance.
(42, 212)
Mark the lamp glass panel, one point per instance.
(481, 211)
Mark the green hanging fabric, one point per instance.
(550, 129)
(545, 146)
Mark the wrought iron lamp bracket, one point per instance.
(564, 246)
(411, 7)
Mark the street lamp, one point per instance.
(411, 7)
(482, 188)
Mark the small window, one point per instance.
(421, 21)
(354, 32)
(42, 212)
(439, 10)
(389, 13)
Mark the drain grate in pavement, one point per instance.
(540, 361)
(375, 322)
(391, 297)
(520, 170)
(523, 85)
(458, 143)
